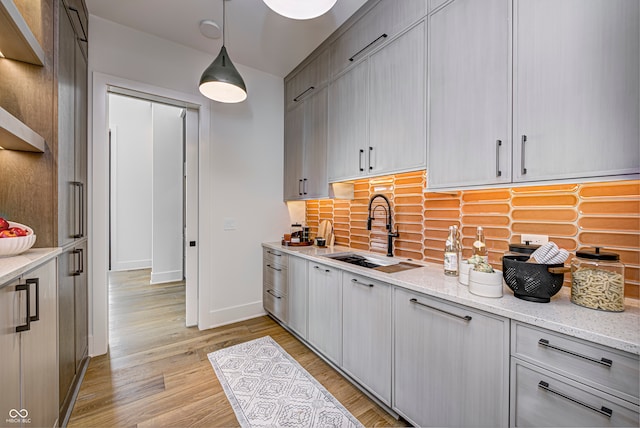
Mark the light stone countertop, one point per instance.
(618, 330)
(12, 267)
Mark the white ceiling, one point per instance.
(256, 36)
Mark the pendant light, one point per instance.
(298, 9)
(221, 80)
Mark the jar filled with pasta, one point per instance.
(597, 280)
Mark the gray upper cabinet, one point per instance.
(576, 88)
(382, 22)
(305, 132)
(377, 111)
(305, 156)
(469, 94)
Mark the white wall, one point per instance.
(131, 182)
(241, 169)
(167, 194)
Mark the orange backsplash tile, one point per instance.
(574, 216)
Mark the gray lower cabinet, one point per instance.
(73, 322)
(325, 310)
(451, 363)
(298, 296)
(558, 380)
(275, 286)
(366, 338)
(29, 374)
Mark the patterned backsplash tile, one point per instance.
(575, 216)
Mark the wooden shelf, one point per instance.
(15, 135)
(16, 39)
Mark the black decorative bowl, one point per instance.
(531, 281)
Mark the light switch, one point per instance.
(230, 224)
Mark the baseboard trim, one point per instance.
(132, 265)
(231, 314)
(168, 276)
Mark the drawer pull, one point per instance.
(355, 281)
(602, 410)
(274, 254)
(318, 267)
(466, 318)
(276, 269)
(603, 361)
(383, 36)
(274, 294)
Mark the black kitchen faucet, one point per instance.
(390, 233)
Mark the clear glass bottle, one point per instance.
(479, 245)
(452, 252)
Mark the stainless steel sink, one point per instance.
(382, 265)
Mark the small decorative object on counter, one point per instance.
(485, 281)
(452, 252)
(597, 280)
(549, 254)
(479, 246)
(296, 233)
(463, 273)
(15, 238)
(321, 242)
(533, 282)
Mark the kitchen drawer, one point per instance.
(275, 256)
(544, 399)
(376, 27)
(276, 304)
(275, 276)
(613, 371)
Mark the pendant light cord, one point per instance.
(224, 30)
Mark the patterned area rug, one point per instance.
(268, 388)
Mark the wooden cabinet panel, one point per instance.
(378, 25)
(325, 311)
(576, 88)
(397, 104)
(293, 152)
(66, 322)
(298, 296)
(469, 94)
(366, 340)
(451, 363)
(81, 305)
(313, 76)
(10, 304)
(544, 399)
(348, 128)
(315, 182)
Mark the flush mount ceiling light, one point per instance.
(298, 9)
(221, 81)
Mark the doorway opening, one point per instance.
(152, 195)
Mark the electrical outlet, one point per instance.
(534, 239)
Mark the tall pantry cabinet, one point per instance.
(72, 208)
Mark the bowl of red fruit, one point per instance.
(15, 238)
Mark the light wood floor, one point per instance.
(157, 374)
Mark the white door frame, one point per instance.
(99, 199)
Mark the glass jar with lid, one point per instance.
(597, 280)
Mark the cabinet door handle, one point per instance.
(370, 162)
(318, 267)
(523, 140)
(603, 361)
(275, 254)
(498, 145)
(276, 269)
(360, 160)
(602, 410)
(299, 97)
(274, 294)
(80, 262)
(353, 57)
(466, 318)
(29, 283)
(84, 33)
(27, 325)
(300, 187)
(304, 186)
(79, 213)
(355, 281)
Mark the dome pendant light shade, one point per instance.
(222, 82)
(300, 9)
